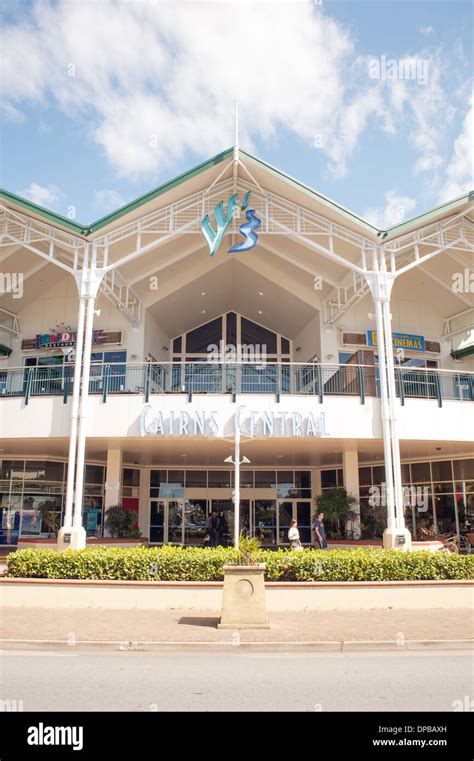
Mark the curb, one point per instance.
(164, 646)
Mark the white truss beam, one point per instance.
(14, 326)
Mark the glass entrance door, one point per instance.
(166, 521)
(298, 509)
(225, 511)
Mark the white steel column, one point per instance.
(397, 468)
(78, 536)
(237, 485)
(74, 414)
(376, 288)
(380, 283)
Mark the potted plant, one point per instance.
(243, 599)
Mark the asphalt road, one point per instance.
(169, 681)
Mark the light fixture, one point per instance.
(260, 293)
(203, 311)
(245, 460)
(203, 293)
(260, 311)
(229, 459)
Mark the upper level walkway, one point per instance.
(316, 380)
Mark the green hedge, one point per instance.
(198, 564)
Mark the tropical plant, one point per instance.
(52, 520)
(338, 507)
(248, 549)
(119, 521)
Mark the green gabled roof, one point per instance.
(103, 221)
(427, 215)
(86, 230)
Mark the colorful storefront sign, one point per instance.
(407, 341)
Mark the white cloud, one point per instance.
(154, 81)
(460, 167)
(48, 196)
(426, 30)
(108, 200)
(396, 209)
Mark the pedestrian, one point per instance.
(212, 528)
(320, 532)
(294, 536)
(222, 529)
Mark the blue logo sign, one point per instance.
(223, 220)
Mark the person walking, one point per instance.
(212, 528)
(320, 532)
(294, 536)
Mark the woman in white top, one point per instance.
(294, 536)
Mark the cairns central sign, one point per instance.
(214, 423)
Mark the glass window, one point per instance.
(265, 520)
(131, 477)
(286, 478)
(94, 474)
(285, 346)
(199, 339)
(365, 476)
(406, 479)
(54, 471)
(218, 479)
(303, 479)
(157, 477)
(329, 478)
(246, 479)
(420, 471)
(445, 515)
(175, 486)
(442, 470)
(252, 334)
(378, 474)
(463, 469)
(12, 469)
(196, 479)
(195, 521)
(231, 329)
(264, 479)
(34, 470)
(177, 345)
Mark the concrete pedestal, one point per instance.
(397, 540)
(71, 539)
(243, 599)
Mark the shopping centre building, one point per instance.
(235, 312)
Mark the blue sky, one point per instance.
(104, 100)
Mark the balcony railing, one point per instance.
(203, 377)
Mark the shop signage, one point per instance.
(254, 423)
(400, 340)
(223, 220)
(64, 339)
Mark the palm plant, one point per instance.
(338, 507)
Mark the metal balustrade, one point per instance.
(203, 377)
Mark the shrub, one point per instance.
(169, 563)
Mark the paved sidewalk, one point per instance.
(39, 627)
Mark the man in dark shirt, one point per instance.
(320, 532)
(212, 526)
